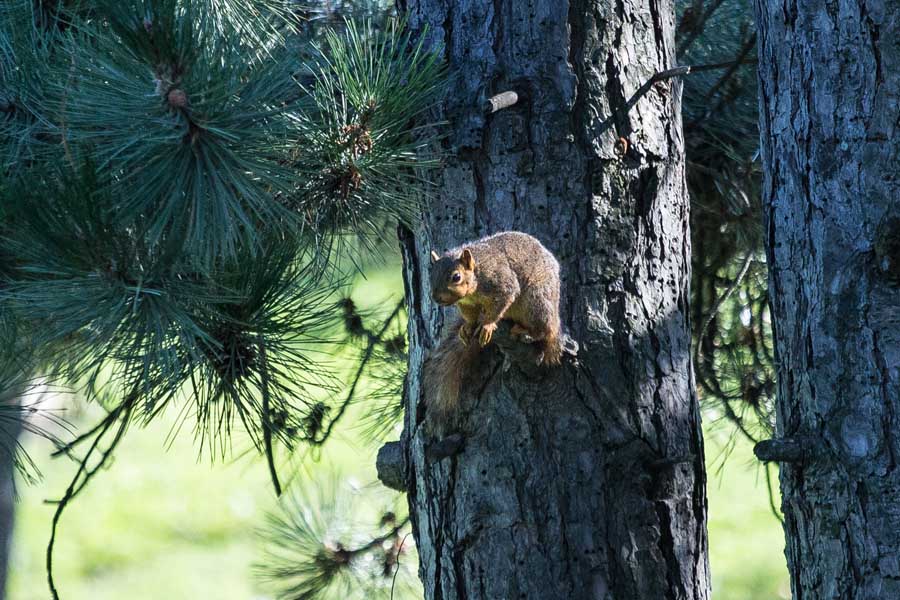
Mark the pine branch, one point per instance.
(731, 335)
(357, 143)
(266, 417)
(681, 71)
(374, 339)
(177, 190)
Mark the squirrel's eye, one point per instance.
(456, 278)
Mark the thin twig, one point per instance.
(266, 417)
(367, 356)
(739, 61)
(698, 348)
(397, 570)
(748, 260)
(83, 475)
(66, 448)
(711, 109)
(772, 495)
(394, 532)
(662, 76)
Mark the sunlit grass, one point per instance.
(745, 540)
(158, 524)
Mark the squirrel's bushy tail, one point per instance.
(443, 373)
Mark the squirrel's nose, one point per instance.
(439, 298)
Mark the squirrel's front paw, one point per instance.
(486, 333)
(465, 333)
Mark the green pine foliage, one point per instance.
(325, 541)
(733, 356)
(182, 184)
(26, 125)
(370, 165)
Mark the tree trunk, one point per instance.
(7, 514)
(10, 430)
(585, 481)
(830, 82)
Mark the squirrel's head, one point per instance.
(452, 278)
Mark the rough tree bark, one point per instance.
(829, 89)
(10, 429)
(7, 513)
(586, 481)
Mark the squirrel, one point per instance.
(508, 275)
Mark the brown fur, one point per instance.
(509, 275)
(443, 375)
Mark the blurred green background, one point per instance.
(163, 523)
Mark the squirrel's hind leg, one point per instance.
(544, 326)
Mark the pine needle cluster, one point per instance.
(326, 542)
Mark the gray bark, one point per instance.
(10, 430)
(585, 481)
(7, 514)
(829, 89)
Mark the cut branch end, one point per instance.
(783, 450)
(390, 466)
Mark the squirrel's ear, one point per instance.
(435, 257)
(467, 260)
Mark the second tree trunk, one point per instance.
(829, 86)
